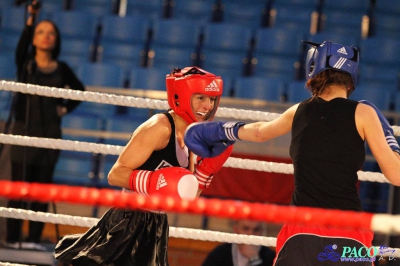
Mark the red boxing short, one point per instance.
(304, 245)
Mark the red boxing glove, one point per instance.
(207, 167)
(173, 181)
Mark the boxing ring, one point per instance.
(380, 223)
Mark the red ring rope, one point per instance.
(202, 206)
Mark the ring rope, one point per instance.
(247, 164)
(187, 233)
(383, 223)
(176, 232)
(124, 100)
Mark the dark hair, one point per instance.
(318, 84)
(57, 47)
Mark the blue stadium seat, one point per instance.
(275, 66)
(296, 3)
(123, 54)
(149, 8)
(148, 78)
(120, 29)
(350, 7)
(387, 7)
(122, 124)
(8, 42)
(279, 41)
(98, 8)
(199, 10)
(80, 119)
(334, 37)
(101, 74)
(223, 63)
(227, 37)
(293, 17)
(258, 88)
(343, 23)
(8, 69)
(12, 19)
(76, 24)
(379, 75)
(171, 57)
(74, 168)
(381, 96)
(176, 33)
(75, 51)
(297, 92)
(248, 14)
(387, 25)
(380, 51)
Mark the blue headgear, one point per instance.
(329, 55)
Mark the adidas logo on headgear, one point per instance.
(212, 86)
(342, 51)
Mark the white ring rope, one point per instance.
(124, 100)
(196, 234)
(186, 233)
(247, 164)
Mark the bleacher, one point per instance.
(255, 45)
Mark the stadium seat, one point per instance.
(8, 42)
(123, 54)
(76, 24)
(297, 92)
(81, 120)
(148, 78)
(343, 23)
(387, 25)
(12, 19)
(380, 51)
(350, 7)
(101, 74)
(248, 14)
(171, 57)
(334, 37)
(75, 51)
(275, 66)
(8, 69)
(150, 8)
(120, 29)
(279, 41)
(381, 96)
(199, 10)
(176, 33)
(387, 7)
(379, 75)
(122, 124)
(258, 88)
(293, 17)
(98, 8)
(227, 37)
(224, 63)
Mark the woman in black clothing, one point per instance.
(37, 116)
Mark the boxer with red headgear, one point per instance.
(155, 161)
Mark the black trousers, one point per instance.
(37, 174)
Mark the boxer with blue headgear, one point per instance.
(328, 135)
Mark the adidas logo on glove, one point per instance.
(161, 182)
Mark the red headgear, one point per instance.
(182, 84)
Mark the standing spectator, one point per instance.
(231, 254)
(37, 116)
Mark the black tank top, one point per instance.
(166, 157)
(327, 152)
